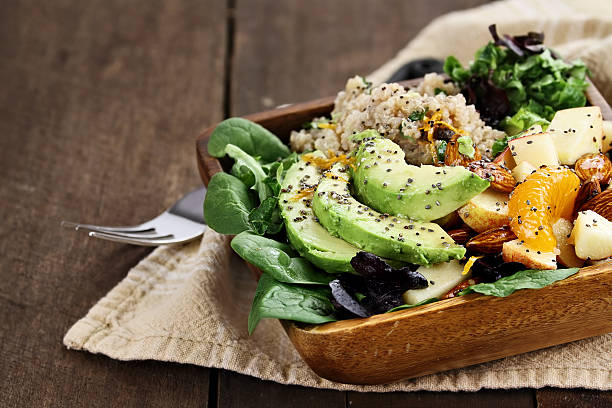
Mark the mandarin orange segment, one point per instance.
(545, 196)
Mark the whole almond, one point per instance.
(500, 177)
(461, 235)
(601, 204)
(491, 241)
(594, 165)
(588, 191)
(453, 157)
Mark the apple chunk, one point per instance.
(442, 277)
(606, 139)
(536, 150)
(567, 254)
(487, 210)
(576, 132)
(522, 171)
(515, 251)
(592, 236)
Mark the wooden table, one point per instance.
(100, 104)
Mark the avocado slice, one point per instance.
(388, 236)
(384, 181)
(306, 235)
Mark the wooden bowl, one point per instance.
(447, 334)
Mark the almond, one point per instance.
(594, 165)
(588, 190)
(500, 177)
(491, 241)
(453, 157)
(460, 287)
(461, 235)
(601, 204)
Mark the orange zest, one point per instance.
(468, 265)
(304, 193)
(325, 163)
(536, 204)
(429, 125)
(324, 125)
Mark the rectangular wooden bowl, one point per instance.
(450, 333)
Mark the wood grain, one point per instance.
(291, 51)
(99, 104)
(481, 399)
(239, 391)
(578, 398)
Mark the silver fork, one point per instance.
(182, 222)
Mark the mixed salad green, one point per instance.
(516, 82)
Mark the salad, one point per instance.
(490, 181)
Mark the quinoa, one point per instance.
(398, 114)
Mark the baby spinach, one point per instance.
(253, 165)
(227, 204)
(277, 259)
(528, 279)
(266, 218)
(242, 172)
(274, 299)
(254, 139)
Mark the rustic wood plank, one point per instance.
(483, 398)
(237, 390)
(575, 398)
(100, 104)
(293, 51)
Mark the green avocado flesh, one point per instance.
(384, 181)
(306, 235)
(387, 236)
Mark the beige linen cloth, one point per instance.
(190, 303)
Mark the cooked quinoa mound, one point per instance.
(398, 114)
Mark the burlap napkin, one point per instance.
(189, 303)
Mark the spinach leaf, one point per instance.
(528, 279)
(422, 302)
(242, 172)
(248, 136)
(266, 218)
(274, 299)
(253, 165)
(227, 204)
(278, 260)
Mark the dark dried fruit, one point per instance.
(342, 299)
(381, 285)
(491, 268)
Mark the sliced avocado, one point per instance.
(385, 235)
(384, 181)
(306, 235)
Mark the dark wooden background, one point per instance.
(100, 104)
